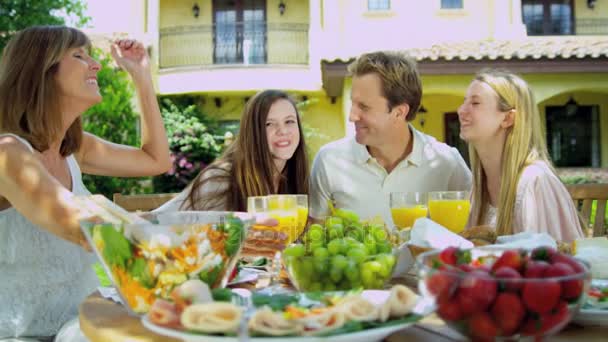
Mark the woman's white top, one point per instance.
(43, 278)
(542, 205)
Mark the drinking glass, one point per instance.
(407, 207)
(450, 209)
(302, 203)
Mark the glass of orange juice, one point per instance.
(450, 209)
(284, 208)
(407, 207)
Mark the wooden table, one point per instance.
(103, 320)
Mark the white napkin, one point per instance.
(426, 233)
(526, 240)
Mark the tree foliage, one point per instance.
(191, 140)
(16, 15)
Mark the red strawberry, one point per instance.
(467, 303)
(541, 296)
(442, 285)
(455, 256)
(547, 323)
(508, 312)
(448, 255)
(466, 268)
(449, 310)
(543, 253)
(508, 279)
(566, 259)
(535, 268)
(511, 258)
(480, 287)
(482, 326)
(571, 289)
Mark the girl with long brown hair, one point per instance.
(267, 157)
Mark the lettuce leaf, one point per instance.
(117, 249)
(140, 272)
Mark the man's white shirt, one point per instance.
(346, 173)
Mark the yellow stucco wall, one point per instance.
(185, 49)
(284, 44)
(582, 11)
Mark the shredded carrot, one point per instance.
(294, 312)
(131, 289)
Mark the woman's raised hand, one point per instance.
(131, 55)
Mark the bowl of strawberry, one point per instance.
(491, 293)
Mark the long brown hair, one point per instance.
(247, 165)
(29, 101)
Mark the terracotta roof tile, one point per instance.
(529, 48)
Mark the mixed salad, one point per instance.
(147, 261)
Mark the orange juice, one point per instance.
(288, 223)
(405, 217)
(452, 214)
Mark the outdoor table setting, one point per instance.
(183, 276)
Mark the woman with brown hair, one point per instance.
(47, 80)
(268, 157)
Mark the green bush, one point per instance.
(115, 120)
(193, 144)
(577, 179)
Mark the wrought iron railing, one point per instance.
(582, 27)
(244, 43)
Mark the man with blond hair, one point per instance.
(387, 154)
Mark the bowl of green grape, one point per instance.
(341, 253)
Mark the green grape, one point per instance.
(314, 245)
(337, 246)
(339, 261)
(384, 247)
(330, 221)
(371, 247)
(307, 267)
(357, 254)
(347, 215)
(387, 261)
(356, 233)
(351, 271)
(315, 232)
(336, 231)
(335, 274)
(373, 266)
(295, 250)
(321, 264)
(320, 252)
(379, 234)
(316, 286)
(356, 245)
(367, 277)
(329, 286)
(350, 241)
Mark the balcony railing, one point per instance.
(582, 27)
(236, 43)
